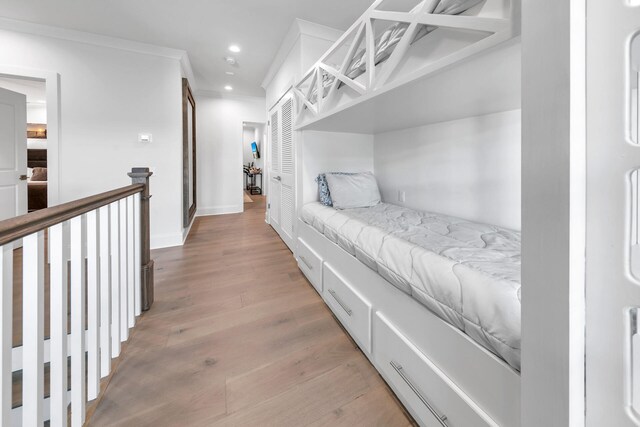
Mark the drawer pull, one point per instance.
(400, 371)
(339, 301)
(304, 260)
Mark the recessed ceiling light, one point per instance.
(230, 73)
(228, 88)
(230, 60)
(234, 48)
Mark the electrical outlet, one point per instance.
(145, 137)
(402, 196)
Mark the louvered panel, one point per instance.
(286, 212)
(275, 143)
(287, 136)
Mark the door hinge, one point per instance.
(268, 205)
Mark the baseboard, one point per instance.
(220, 210)
(166, 240)
(186, 231)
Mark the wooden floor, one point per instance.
(237, 336)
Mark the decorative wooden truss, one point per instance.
(318, 92)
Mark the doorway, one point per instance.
(26, 151)
(253, 141)
(42, 91)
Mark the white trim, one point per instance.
(298, 28)
(186, 231)
(187, 70)
(166, 240)
(52, 83)
(220, 210)
(222, 95)
(89, 38)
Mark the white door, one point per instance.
(612, 261)
(13, 154)
(274, 169)
(281, 170)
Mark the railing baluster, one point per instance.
(93, 307)
(124, 257)
(105, 293)
(136, 258)
(6, 332)
(130, 264)
(33, 329)
(93, 302)
(58, 283)
(78, 285)
(115, 278)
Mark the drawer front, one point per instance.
(432, 396)
(349, 307)
(311, 264)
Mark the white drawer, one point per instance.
(349, 307)
(424, 388)
(311, 264)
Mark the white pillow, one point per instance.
(353, 191)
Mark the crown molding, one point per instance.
(226, 95)
(187, 71)
(298, 28)
(89, 38)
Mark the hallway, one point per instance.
(237, 336)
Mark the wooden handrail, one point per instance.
(16, 228)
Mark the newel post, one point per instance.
(141, 176)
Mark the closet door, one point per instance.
(287, 167)
(281, 170)
(274, 170)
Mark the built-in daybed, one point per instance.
(444, 360)
(432, 300)
(466, 273)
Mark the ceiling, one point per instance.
(204, 28)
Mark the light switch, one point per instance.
(145, 137)
(401, 196)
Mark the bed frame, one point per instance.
(458, 38)
(440, 374)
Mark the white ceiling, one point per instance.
(204, 28)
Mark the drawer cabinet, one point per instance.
(353, 311)
(432, 396)
(311, 264)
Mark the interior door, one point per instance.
(13, 154)
(274, 169)
(281, 170)
(287, 168)
(612, 261)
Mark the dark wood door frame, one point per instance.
(188, 211)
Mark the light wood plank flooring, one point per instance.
(237, 336)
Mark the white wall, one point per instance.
(303, 45)
(321, 152)
(219, 130)
(468, 168)
(287, 74)
(36, 113)
(108, 96)
(248, 136)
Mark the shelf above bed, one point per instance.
(439, 68)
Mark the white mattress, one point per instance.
(466, 273)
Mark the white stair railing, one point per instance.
(100, 279)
